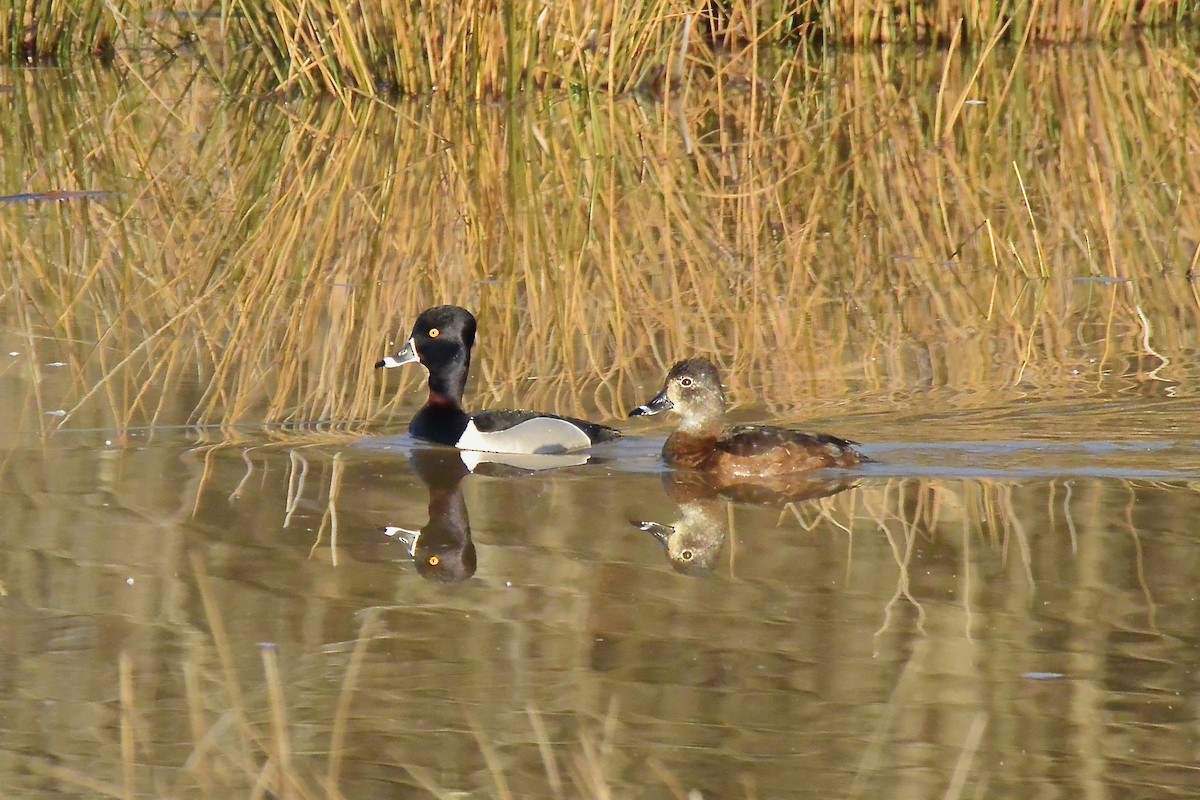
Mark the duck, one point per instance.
(703, 441)
(441, 340)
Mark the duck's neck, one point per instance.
(704, 421)
(448, 515)
(446, 384)
(442, 419)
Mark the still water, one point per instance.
(225, 569)
(939, 622)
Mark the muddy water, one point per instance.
(1003, 605)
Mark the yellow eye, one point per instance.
(433, 333)
(434, 561)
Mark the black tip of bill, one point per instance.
(407, 355)
(657, 405)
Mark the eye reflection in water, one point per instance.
(693, 542)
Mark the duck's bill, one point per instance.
(659, 404)
(406, 536)
(406, 356)
(656, 529)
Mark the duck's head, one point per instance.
(440, 335)
(693, 391)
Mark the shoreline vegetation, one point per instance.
(479, 50)
(859, 236)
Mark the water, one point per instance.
(1032, 630)
(221, 558)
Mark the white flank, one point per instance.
(542, 435)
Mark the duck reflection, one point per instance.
(693, 542)
(773, 490)
(442, 550)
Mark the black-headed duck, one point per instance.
(441, 341)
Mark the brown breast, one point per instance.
(685, 451)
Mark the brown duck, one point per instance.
(703, 441)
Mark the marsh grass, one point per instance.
(1022, 229)
(33, 31)
(479, 50)
(474, 51)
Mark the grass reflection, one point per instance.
(873, 609)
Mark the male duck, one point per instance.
(441, 340)
(702, 442)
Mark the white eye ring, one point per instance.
(685, 382)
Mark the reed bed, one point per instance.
(479, 50)
(1021, 230)
(36, 30)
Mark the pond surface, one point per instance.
(223, 563)
(941, 620)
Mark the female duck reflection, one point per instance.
(693, 542)
(443, 550)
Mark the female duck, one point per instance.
(441, 340)
(702, 442)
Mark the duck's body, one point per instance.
(441, 340)
(759, 450)
(507, 431)
(704, 443)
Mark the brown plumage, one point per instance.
(703, 442)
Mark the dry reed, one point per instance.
(822, 239)
(478, 50)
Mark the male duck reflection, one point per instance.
(442, 550)
(441, 340)
(703, 442)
